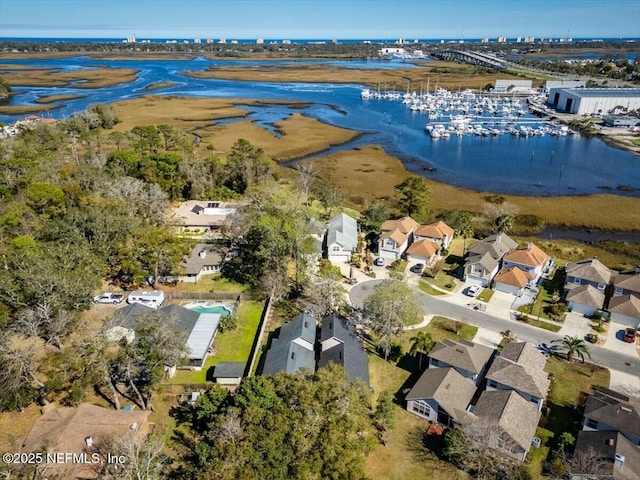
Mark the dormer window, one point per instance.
(576, 281)
(619, 290)
(601, 286)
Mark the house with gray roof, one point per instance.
(469, 359)
(585, 299)
(510, 420)
(340, 344)
(441, 395)
(627, 283)
(199, 329)
(203, 216)
(520, 367)
(204, 259)
(341, 238)
(608, 410)
(616, 457)
(484, 258)
(625, 309)
(229, 373)
(294, 348)
(587, 272)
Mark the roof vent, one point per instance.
(625, 409)
(88, 441)
(619, 460)
(133, 426)
(610, 442)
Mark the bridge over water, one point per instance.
(474, 58)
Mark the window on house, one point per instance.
(619, 290)
(493, 384)
(390, 243)
(576, 281)
(336, 249)
(422, 407)
(534, 400)
(601, 286)
(591, 423)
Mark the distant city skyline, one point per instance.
(320, 19)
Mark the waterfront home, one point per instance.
(587, 272)
(294, 347)
(441, 395)
(625, 309)
(627, 283)
(422, 251)
(512, 280)
(520, 367)
(436, 232)
(507, 422)
(585, 299)
(469, 359)
(396, 237)
(204, 217)
(341, 238)
(531, 260)
(483, 258)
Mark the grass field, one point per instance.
(427, 288)
(90, 78)
(539, 323)
(57, 98)
(442, 328)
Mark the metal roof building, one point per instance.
(599, 101)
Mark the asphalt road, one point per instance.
(434, 306)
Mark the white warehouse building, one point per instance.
(600, 101)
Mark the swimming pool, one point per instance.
(209, 307)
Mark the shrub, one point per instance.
(598, 328)
(228, 322)
(591, 338)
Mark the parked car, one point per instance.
(629, 335)
(379, 262)
(109, 297)
(417, 268)
(474, 290)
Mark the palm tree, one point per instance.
(422, 344)
(571, 346)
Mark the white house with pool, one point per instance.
(196, 321)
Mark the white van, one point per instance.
(153, 298)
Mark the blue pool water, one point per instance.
(210, 308)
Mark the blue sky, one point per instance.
(323, 19)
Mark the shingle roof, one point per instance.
(513, 276)
(517, 417)
(341, 346)
(531, 256)
(191, 213)
(486, 260)
(129, 315)
(423, 248)
(628, 281)
(396, 235)
(343, 230)
(614, 409)
(437, 229)
(404, 224)
(591, 269)
(194, 263)
(521, 367)
(464, 355)
(627, 305)
(606, 445)
(586, 295)
(294, 348)
(450, 389)
(490, 251)
(229, 370)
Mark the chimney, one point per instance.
(619, 461)
(203, 253)
(88, 441)
(610, 442)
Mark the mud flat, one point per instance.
(57, 98)
(91, 78)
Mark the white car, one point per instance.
(109, 297)
(474, 290)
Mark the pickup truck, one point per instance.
(109, 297)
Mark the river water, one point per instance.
(538, 166)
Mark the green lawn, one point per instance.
(426, 288)
(441, 328)
(231, 346)
(442, 280)
(485, 295)
(539, 323)
(211, 283)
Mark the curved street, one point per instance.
(431, 305)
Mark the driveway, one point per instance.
(575, 325)
(500, 304)
(626, 383)
(526, 298)
(614, 341)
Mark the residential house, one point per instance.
(198, 329)
(422, 251)
(339, 344)
(396, 237)
(341, 239)
(608, 410)
(587, 272)
(627, 283)
(585, 299)
(442, 396)
(512, 280)
(469, 359)
(204, 259)
(625, 309)
(531, 260)
(83, 430)
(510, 419)
(612, 457)
(520, 367)
(483, 258)
(203, 216)
(436, 232)
(294, 348)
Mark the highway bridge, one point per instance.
(474, 58)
